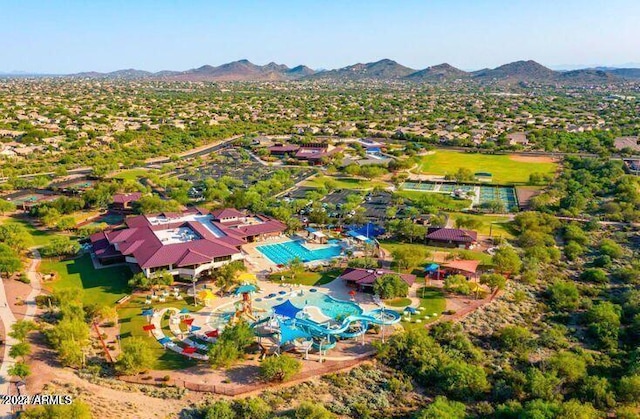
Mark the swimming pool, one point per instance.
(263, 307)
(283, 253)
(336, 309)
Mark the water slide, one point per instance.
(378, 316)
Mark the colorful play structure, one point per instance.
(308, 328)
(319, 325)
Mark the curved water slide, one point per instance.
(379, 316)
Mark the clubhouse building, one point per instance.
(186, 244)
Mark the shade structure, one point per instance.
(432, 267)
(410, 310)
(286, 309)
(148, 327)
(164, 340)
(212, 334)
(352, 293)
(469, 266)
(243, 289)
(195, 328)
(188, 350)
(184, 311)
(147, 312)
(188, 321)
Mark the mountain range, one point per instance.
(383, 70)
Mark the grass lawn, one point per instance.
(433, 302)
(40, 237)
(307, 278)
(501, 225)
(131, 174)
(468, 254)
(438, 200)
(398, 302)
(131, 323)
(344, 183)
(504, 168)
(102, 286)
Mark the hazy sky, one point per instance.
(56, 36)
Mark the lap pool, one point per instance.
(283, 253)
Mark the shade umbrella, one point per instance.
(247, 277)
(148, 312)
(148, 327)
(164, 340)
(206, 296)
(188, 350)
(195, 328)
(212, 333)
(188, 321)
(184, 311)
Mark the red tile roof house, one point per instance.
(122, 202)
(451, 237)
(314, 153)
(185, 244)
(363, 279)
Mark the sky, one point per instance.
(60, 37)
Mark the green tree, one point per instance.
(409, 258)
(15, 236)
(629, 388)
(6, 206)
(21, 328)
(20, 350)
(390, 286)
(463, 380)
(19, 369)
(603, 321)
(493, 281)
(569, 366)
(279, 368)
(136, 356)
(507, 261)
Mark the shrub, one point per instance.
(23, 278)
(457, 284)
(564, 295)
(443, 408)
(310, 410)
(515, 338)
(595, 275)
(219, 410)
(279, 368)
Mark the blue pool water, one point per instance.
(336, 309)
(283, 253)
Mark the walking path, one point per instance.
(8, 319)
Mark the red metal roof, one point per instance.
(368, 276)
(452, 235)
(463, 265)
(223, 213)
(124, 198)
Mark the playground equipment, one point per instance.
(286, 325)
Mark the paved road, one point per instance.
(8, 319)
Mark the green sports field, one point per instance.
(504, 168)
